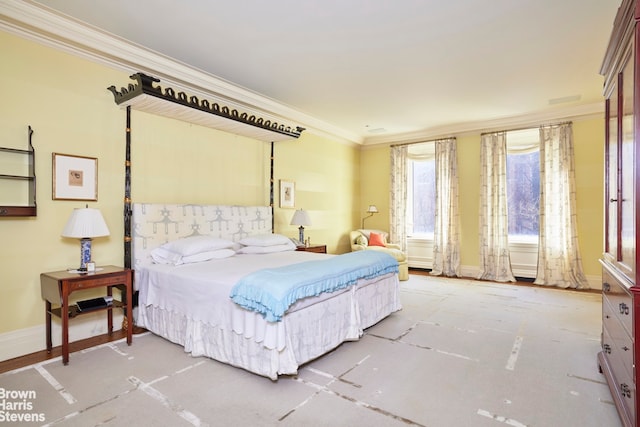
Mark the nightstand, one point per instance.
(321, 249)
(58, 285)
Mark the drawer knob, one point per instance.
(606, 287)
(624, 308)
(625, 348)
(626, 390)
(606, 348)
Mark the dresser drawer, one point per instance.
(628, 392)
(616, 295)
(617, 345)
(622, 380)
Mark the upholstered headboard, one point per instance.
(156, 224)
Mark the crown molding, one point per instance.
(577, 112)
(44, 25)
(37, 22)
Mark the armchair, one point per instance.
(360, 241)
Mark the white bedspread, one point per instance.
(175, 288)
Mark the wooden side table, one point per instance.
(58, 285)
(321, 249)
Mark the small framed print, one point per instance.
(75, 177)
(287, 194)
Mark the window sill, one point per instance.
(524, 243)
(532, 242)
(420, 239)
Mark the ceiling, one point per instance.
(381, 68)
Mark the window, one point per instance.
(523, 187)
(523, 184)
(421, 190)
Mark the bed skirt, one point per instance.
(309, 332)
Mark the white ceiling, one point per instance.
(378, 68)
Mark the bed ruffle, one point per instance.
(307, 333)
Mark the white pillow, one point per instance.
(209, 255)
(267, 249)
(196, 244)
(265, 240)
(163, 256)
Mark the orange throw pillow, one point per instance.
(376, 239)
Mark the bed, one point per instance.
(187, 299)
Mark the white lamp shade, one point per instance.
(372, 209)
(300, 217)
(85, 223)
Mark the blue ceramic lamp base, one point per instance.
(85, 253)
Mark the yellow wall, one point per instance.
(169, 156)
(589, 158)
(468, 151)
(64, 98)
(327, 184)
(65, 101)
(588, 137)
(376, 169)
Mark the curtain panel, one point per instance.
(559, 261)
(446, 235)
(495, 262)
(398, 197)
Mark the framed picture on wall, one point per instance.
(75, 177)
(287, 194)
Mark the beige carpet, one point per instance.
(460, 353)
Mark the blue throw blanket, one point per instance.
(271, 291)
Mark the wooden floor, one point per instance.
(40, 356)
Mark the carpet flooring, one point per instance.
(459, 353)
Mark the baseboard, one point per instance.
(471, 271)
(30, 340)
(595, 282)
(22, 341)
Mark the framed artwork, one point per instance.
(287, 194)
(75, 177)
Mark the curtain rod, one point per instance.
(483, 133)
(528, 127)
(420, 142)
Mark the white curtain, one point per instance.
(398, 197)
(446, 236)
(495, 263)
(559, 262)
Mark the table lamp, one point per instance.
(85, 224)
(301, 218)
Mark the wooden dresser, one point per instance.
(620, 294)
(619, 303)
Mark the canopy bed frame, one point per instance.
(246, 305)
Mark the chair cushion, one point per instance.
(396, 253)
(376, 239)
